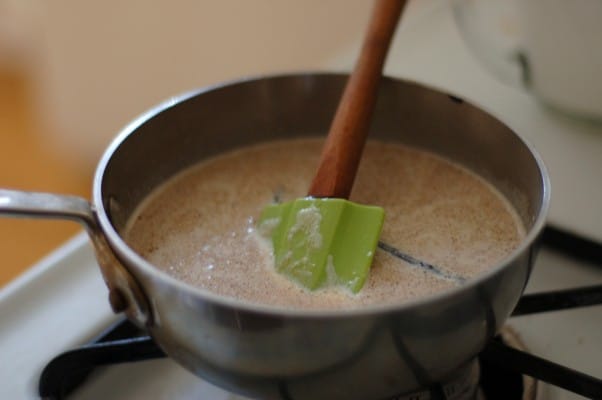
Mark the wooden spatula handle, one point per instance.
(345, 142)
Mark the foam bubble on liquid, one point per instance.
(307, 227)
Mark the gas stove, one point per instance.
(64, 342)
(60, 304)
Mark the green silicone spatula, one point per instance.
(324, 238)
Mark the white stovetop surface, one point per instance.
(61, 302)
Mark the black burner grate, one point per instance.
(123, 342)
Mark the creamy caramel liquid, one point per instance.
(200, 226)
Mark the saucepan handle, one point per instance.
(125, 294)
(17, 203)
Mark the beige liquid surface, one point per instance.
(200, 226)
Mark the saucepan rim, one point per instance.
(126, 252)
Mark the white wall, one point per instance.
(100, 63)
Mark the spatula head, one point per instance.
(323, 241)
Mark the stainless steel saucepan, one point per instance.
(274, 353)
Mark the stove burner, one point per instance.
(480, 380)
(499, 370)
